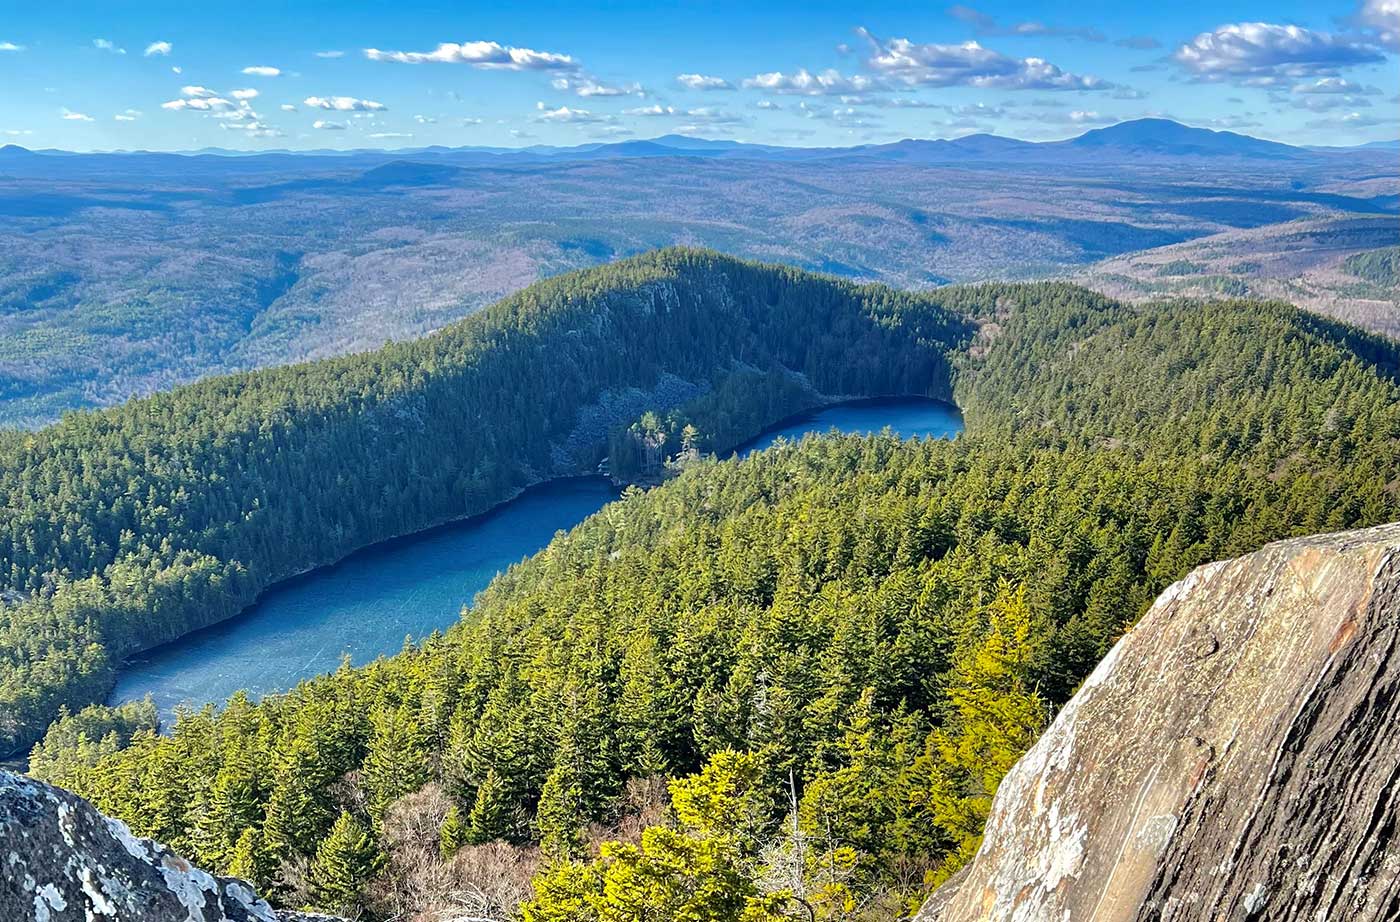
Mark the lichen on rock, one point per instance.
(66, 862)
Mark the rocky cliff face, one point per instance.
(1237, 756)
(65, 862)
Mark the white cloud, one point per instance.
(199, 104)
(262, 70)
(344, 104)
(565, 114)
(1335, 85)
(652, 111)
(710, 115)
(68, 115)
(287, 107)
(251, 127)
(767, 104)
(588, 86)
(1265, 54)
(130, 115)
(391, 134)
(177, 70)
(328, 126)
(425, 119)
(197, 91)
(10, 46)
(703, 82)
(802, 82)
(17, 132)
(106, 45)
(158, 48)
(486, 55)
(1382, 17)
(969, 64)
(330, 54)
(244, 94)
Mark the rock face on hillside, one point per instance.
(1237, 756)
(65, 862)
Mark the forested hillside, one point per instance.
(129, 527)
(839, 646)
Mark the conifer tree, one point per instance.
(492, 815)
(398, 759)
(454, 832)
(346, 861)
(249, 861)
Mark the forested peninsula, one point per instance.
(129, 527)
(836, 647)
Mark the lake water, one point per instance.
(366, 604)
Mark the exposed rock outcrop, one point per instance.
(66, 862)
(1236, 756)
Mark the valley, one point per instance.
(875, 628)
(125, 274)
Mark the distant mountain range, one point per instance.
(1138, 139)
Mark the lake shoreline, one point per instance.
(366, 602)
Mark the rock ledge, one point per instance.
(66, 862)
(1236, 756)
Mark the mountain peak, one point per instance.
(1164, 136)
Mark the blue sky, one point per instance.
(257, 75)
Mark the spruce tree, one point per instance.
(345, 862)
(492, 815)
(250, 861)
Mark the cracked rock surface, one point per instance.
(66, 862)
(1236, 756)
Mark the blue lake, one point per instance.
(368, 603)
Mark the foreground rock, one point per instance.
(65, 861)
(1235, 757)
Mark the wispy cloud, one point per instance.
(158, 48)
(199, 104)
(1138, 42)
(328, 126)
(391, 134)
(330, 54)
(130, 115)
(588, 86)
(485, 55)
(68, 115)
(10, 46)
(262, 70)
(985, 24)
(244, 94)
(105, 44)
(1265, 54)
(703, 82)
(566, 114)
(344, 104)
(805, 83)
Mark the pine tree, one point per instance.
(398, 759)
(492, 815)
(250, 861)
(454, 832)
(345, 862)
